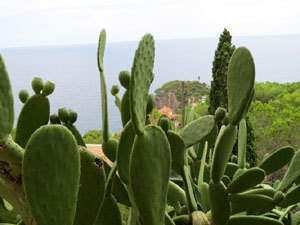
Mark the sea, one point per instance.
(73, 69)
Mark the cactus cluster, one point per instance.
(49, 176)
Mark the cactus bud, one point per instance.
(278, 197)
(63, 115)
(48, 88)
(114, 90)
(72, 116)
(234, 158)
(23, 95)
(37, 85)
(225, 121)
(54, 119)
(220, 114)
(150, 104)
(165, 124)
(124, 78)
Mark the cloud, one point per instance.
(36, 22)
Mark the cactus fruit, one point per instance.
(124, 78)
(63, 114)
(37, 85)
(48, 88)
(220, 114)
(114, 90)
(23, 96)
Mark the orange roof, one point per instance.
(97, 150)
(165, 110)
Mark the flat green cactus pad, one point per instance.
(176, 193)
(240, 82)
(109, 213)
(277, 159)
(292, 174)
(222, 150)
(51, 171)
(124, 150)
(91, 189)
(292, 197)
(253, 203)
(197, 130)
(119, 190)
(125, 108)
(34, 114)
(141, 78)
(6, 102)
(246, 180)
(177, 149)
(220, 206)
(253, 220)
(149, 171)
(76, 134)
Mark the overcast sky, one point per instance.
(52, 22)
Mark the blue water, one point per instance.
(75, 73)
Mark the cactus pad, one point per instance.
(150, 164)
(125, 108)
(240, 82)
(110, 148)
(220, 206)
(197, 130)
(51, 175)
(124, 150)
(222, 150)
(246, 180)
(92, 188)
(141, 78)
(34, 114)
(177, 149)
(6, 103)
(253, 203)
(109, 213)
(277, 159)
(292, 174)
(253, 220)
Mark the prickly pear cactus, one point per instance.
(49, 177)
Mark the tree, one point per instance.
(218, 92)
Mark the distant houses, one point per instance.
(168, 111)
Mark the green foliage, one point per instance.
(218, 92)
(93, 137)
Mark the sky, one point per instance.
(60, 22)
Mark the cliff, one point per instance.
(170, 94)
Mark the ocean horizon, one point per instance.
(73, 68)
